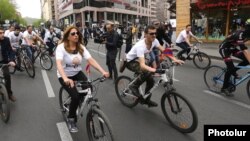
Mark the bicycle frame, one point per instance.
(236, 82)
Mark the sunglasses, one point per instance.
(1, 32)
(74, 33)
(153, 33)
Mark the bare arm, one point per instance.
(143, 66)
(93, 63)
(60, 69)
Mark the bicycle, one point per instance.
(214, 79)
(95, 117)
(200, 59)
(45, 60)
(173, 104)
(4, 101)
(25, 61)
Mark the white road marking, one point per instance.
(229, 100)
(64, 132)
(48, 86)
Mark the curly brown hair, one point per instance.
(66, 41)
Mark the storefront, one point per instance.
(214, 20)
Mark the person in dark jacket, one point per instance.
(5, 51)
(111, 46)
(129, 40)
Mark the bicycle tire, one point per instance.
(211, 76)
(4, 104)
(199, 60)
(29, 67)
(46, 58)
(181, 126)
(120, 94)
(248, 89)
(91, 125)
(62, 93)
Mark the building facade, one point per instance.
(85, 12)
(162, 13)
(49, 11)
(213, 20)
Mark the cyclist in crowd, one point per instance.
(11, 28)
(69, 56)
(5, 59)
(15, 37)
(29, 35)
(183, 42)
(48, 39)
(136, 63)
(230, 47)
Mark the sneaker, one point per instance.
(227, 92)
(151, 103)
(72, 125)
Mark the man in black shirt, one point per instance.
(111, 46)
(5, 50)
(234, 45)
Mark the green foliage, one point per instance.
(38, 22)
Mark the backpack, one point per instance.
(120, 41)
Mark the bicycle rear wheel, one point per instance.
(201, 60)
(46, 61)
(64, 102)
(248, 89)
(4, 104)
(179, 112)
(98, 126)
(29, 67)
(123, 93)
(214, 77)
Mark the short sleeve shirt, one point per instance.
(71, 62)
(14, 40)
(140, 49)
(183, 35)
(29, 36)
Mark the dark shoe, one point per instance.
(181, 58)
(110, 78)
(12, 98)
(227, 92)
(72, 125)
(19, 69)
(151, 103)
(189, 58)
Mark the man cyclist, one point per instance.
(48, 39)
(5, 49)
(136, 63)
(183, 42)
(28, 41)
(15, 37)
(234, 45)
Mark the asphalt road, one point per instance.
(36, 114)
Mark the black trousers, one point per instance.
(51, 47)
(185, 48)
(231, 69)
(73, 93)
(110, 62)
(7, 79)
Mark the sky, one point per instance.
(29, 8)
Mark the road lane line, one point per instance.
(63, 131)
(48, 86)
(229, 100)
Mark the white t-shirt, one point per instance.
(183, 35)
(29, 36)
(140, 49)
(14, 40)
(71, 62)
(6, 33)
(49, 35)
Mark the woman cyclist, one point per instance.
(69, 54)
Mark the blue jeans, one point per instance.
(29, 51)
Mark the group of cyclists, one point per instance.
(71, 51)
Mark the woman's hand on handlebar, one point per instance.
(69, 82)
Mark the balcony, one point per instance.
(78, 5)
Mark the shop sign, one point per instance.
(216, 3)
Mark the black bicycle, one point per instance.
(175, 107)
(4, 101)
(23, 61)
(43, 55)
(97, 123)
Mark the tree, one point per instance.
(38, 22)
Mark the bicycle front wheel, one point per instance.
(29, 67)
(123, 92)
(46, 61)
(201, 60)
(64, 102)
(98, 126)
(4, 104)
(214, 77)
(179, 112)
